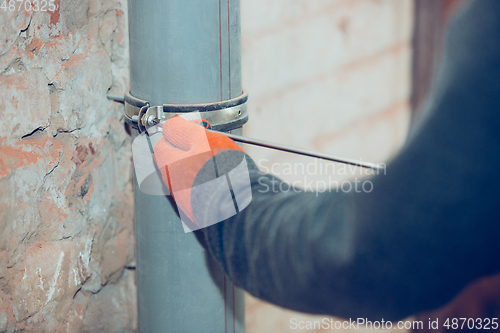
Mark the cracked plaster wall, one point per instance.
(66, 207)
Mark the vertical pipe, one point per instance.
(185, 51)
(182, 52)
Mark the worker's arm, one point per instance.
(429, 226)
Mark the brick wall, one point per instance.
(329, 75)
(66, 210)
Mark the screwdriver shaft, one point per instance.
(300, 151)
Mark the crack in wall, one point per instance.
(36, 130)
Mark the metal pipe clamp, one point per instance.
(222, 116)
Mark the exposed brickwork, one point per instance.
(66, 209)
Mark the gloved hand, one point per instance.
(184, 148)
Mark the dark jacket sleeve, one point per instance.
(429, 226)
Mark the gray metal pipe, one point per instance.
(185, 51)
(182, 52)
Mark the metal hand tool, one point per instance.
(300, 151)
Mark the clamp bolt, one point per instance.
(152, 120)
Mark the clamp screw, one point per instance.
(151, 121)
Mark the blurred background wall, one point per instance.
(332, 76)
(335, 76)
